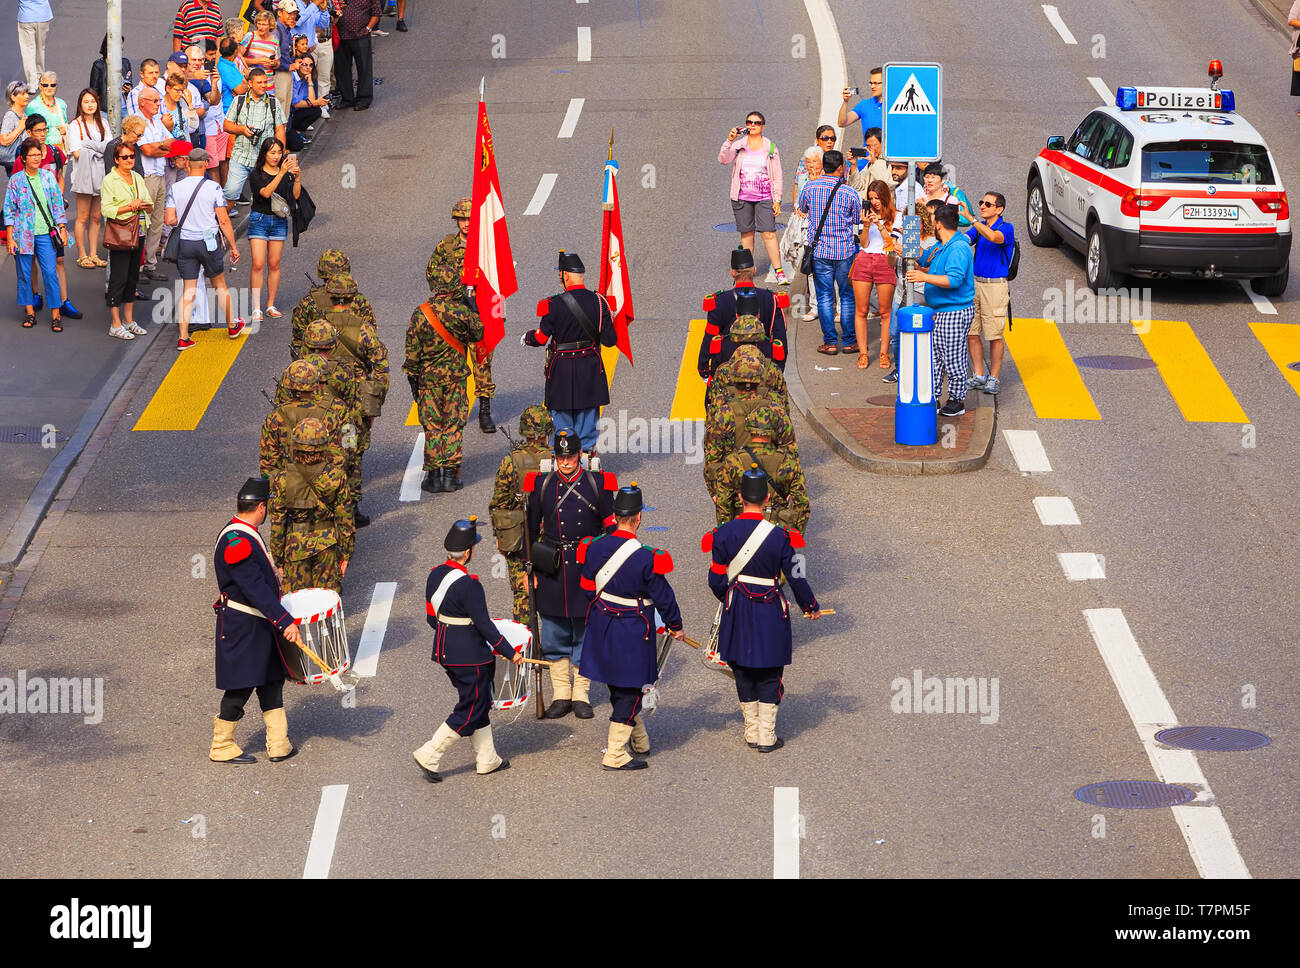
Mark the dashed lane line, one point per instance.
(325, 833)
(584, 43)
(414, 472)
(372, 635)
(1054, 17)
(1056, 511)
(1081, 565)
(1028, 451)
(571, 117)
(786, 825)
(542, 193)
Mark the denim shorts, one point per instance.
(272, 227)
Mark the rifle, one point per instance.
(533, 624)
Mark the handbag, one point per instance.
(172, 251)
(279, 207)
(54, 229)
(545, 555)
(304, 210)
(806, 263)
(123, 234)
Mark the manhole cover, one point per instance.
(1133, 793)
(1293, 366)
(884, 400)
(731, 227)
(1221, 738)
(1115, 362)
(26, 435)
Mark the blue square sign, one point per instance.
(913, 112)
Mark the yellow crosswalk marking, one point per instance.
(688, 400)
(1282, 344)
(1055, 387)
(412, 420)
(189, 386)
(1192, 378)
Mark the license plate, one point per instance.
(1222, 212)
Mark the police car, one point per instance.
(1167, 183)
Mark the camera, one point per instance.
(854, 91)
(858, 152)
(742, 128)
(256, 136)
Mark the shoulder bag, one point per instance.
(806, 263)
(123, 234)
(54, 229)
(172, 252)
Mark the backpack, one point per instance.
(1014, 265)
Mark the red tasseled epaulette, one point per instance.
(530, 481)
(706, 543)
(709, 302)
(710, 330)
(715, 345)
(587, 583)
(582, 551)
(543, 307)
(783, 300)
(796, 539)
(663, 562)
(238, 549)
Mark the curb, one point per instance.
(1272, 17)
(839, 440)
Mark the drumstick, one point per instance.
(826, 611)
(541, 662)
(314, 657)
(685, 638)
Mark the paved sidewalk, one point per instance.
(1276, 11)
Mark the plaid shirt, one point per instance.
(836, 241)
(261, 115)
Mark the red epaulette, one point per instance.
(610, 481)
(238, 549)
(783, 300)
(718, 568)
(715, 345)
(530, 481)
(543, 307)
(706, 543)
(663, 562)
(711, 330)
(582, 551)
(796, 538)
(778, 350)
(710, 302)
(587, 583)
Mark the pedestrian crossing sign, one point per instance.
(913, 129)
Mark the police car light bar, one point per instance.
(1174, 98)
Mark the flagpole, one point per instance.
(480, 86)
(611, 143)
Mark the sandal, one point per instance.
(864, 361)
(135, 329)
(86, 262)
(29, 320)
(273, 312)
(56, 325)
(884, 362)
(829, 349)
(256, 317)
(99, 263)
(120, 332)
(850, 348)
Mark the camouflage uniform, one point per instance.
(365, 358)
(740, 392)
(437, 372)
(507, 507)
(748, 359)
(299, 385)
(336, 391)
(312, 528)
(316, 303)
(788, 496)
(451, 251)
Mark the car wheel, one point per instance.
(1040, 229)
(1274, 285)
(1096, 264)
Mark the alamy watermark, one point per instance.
(37, 694)
(652, 435)
(930, 694)
(1114, 307)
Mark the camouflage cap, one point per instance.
(747, 329)
(746, 366)
(319, 335)
(332, 262)
(761, 420)
(536, 421)
(461, 208)
(444, 278)
(341, 284)
(310, 434)
(300, 376)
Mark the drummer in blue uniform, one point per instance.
(574, 325)
(749, 556)
(464, 641)
(724, 306)
(248, 613)
(625, 580)
(565, 506)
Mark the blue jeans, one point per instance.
(580, 422)
(830, 274)
(562, 637)
(235, 178)
(45, 257)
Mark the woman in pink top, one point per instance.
(755, 186)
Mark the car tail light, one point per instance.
(1274, 204)
(1134, 202)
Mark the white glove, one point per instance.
(523, 339)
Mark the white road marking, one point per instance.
(1081, 565)
(1028, 451)
(1261, 302)
(1054, 16)
(414, 471)
(584, 43)
(326, 831)
(1203, 827)
(1055, 510)
(542, 194)
(372, 635)
(571, 117)
(830, 52)
(1100, 87)
(579, 1)
(785, 832)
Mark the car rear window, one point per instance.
(1220, 162)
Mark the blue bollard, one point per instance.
(916, 421)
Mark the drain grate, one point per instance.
(1133, 793)
(1115, 362)
(26, 435)
(1212, 738)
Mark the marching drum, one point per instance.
(710, 656)
(318, 613)
(510, 688)
(650, 691)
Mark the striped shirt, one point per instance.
(196, 21)
(836, 241)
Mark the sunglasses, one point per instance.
(827, 137)
(756, 124)
(43, 84)
(984, 204)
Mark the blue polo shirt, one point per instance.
(231, 78)
(951, 259)
(992, 260)
(871, 112)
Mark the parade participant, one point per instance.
(508, 509)
(626, 584)
(300, 384)
(564, 507)
(312, 532)
(723, 306)
(747, 330)
(740, 391)
(779, 457)
(336, 391)
(248, 611)
(451, 250)
(316, 303)
(574, 325)
(748, 365)
(750, 554)
(436, 370)
(464, 642)
(361, 350)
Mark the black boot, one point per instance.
(431, 481)
(439, 479)
(451, 478)
(558, 709)
(485, 423)
(361, 519)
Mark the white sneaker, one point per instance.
(781, 280)
(325, 111)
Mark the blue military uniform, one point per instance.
(246, 651)
(575, 372)
(716, 348)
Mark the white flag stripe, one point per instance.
(489, 213)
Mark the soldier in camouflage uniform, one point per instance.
(316, 303)
(451, 251)
(300, 386)
(312, 530)
(747, 331)
(740, 391)
(364, 356)
(437, 372)
(336, 392)
(507, 507)
(779, 457)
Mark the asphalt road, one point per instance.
(955, 576)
